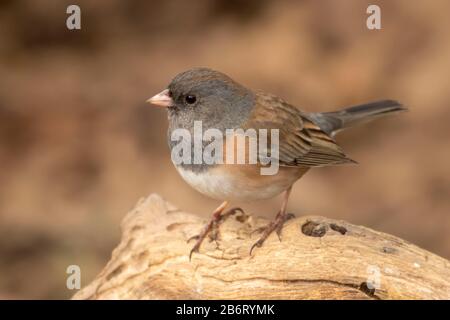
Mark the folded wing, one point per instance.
(301, 141)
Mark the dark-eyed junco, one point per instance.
(305, 140)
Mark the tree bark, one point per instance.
(317, 258)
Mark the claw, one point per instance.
(278, 232)
(276, 225)
(258, 230)
(194, 249)
(256, 244)
(196, 237)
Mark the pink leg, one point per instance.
(212, 225)
(277, 224)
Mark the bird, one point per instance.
(305, 140)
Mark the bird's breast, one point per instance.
(237, 182)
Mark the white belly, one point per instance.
(236, 186)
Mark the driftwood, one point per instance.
(318, 258)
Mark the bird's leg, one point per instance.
(277, 224)
(213, 224)
(287, 216)
(214, 235)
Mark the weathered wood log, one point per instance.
(318, 258)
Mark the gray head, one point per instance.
(202, 94)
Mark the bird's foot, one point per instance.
(212, 228)
(275, 225)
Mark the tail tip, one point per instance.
(396, 105)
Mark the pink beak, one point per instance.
(162, 99)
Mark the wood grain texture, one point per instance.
(318, 258)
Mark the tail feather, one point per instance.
(331, 122)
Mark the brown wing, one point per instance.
(301, 141)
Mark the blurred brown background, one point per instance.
(79, 147)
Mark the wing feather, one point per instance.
(301, 141)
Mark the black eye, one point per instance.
(190, 99)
